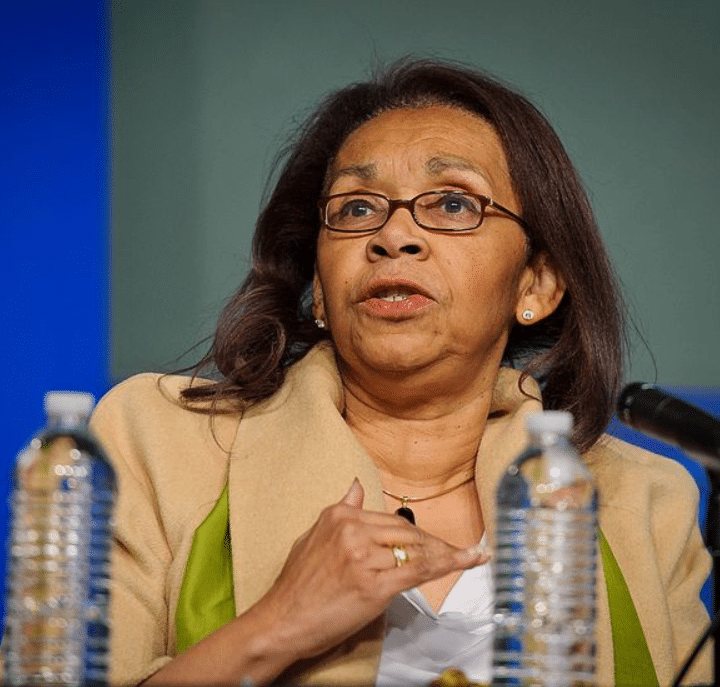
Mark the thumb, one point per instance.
(355, 495)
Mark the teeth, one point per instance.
(392, 297)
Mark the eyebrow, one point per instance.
(364, 172)
(437, 165)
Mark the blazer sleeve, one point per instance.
(649, 514)
(687, 570)
(141, 554)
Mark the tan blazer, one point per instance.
(293, 455)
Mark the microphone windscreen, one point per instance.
(663, 416)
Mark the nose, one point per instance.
(399, 236)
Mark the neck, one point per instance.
(419, 448)
(426, 392)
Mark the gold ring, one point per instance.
(401, 556)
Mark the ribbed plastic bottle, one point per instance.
(57, 586)
(545, 561)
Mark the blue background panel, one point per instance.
(53, 210)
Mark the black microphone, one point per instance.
(657, 413)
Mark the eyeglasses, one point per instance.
(355, 213)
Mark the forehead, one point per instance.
(433, 132)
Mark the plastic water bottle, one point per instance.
(57, 587)
(545, 562)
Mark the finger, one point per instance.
(401, 533)
(381, 559)
(471, 556)
(388, 535)
(421, 545)
(355, 495)
(477, 552)
(374, 517)
(430, 561)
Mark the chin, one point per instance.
(397, 364)
(395, 355)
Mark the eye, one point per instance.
(354, 211)
(356, 207)
(451, 206)
(457, 203)
(448, 210)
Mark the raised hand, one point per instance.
(342, 573)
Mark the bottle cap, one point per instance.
(555, 421)
(69, 403)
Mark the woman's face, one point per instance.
(404, 298)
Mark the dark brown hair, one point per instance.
(576, 354)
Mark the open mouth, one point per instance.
(393, 291)
(395, 300)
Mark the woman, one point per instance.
(425, 265)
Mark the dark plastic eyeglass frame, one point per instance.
(395, 204)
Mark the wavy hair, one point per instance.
(576, 354)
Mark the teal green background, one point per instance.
(205, 92)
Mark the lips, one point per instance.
(394, 299)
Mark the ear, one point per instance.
(318, 300)
(541, 290)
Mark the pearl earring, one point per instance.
(528, 314)
(320, 324)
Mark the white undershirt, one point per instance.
(419, 643)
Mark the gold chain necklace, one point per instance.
(406, 512)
